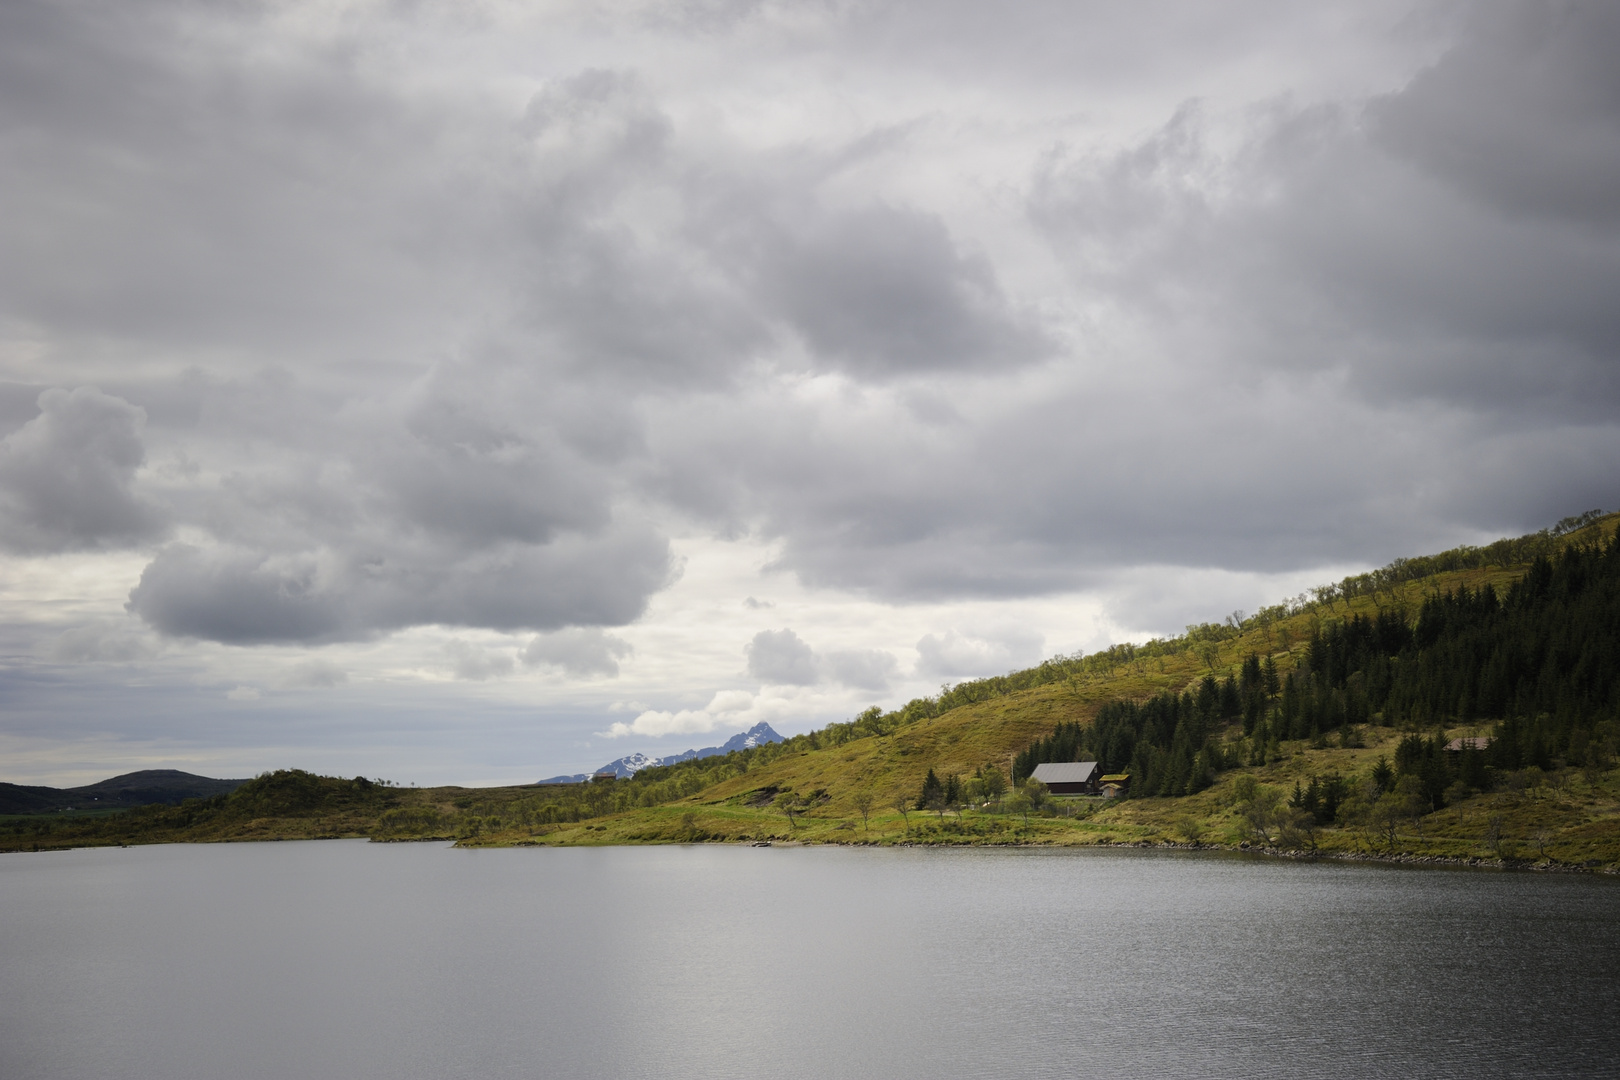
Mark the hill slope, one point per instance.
(1319, 726)
(143, 788)
(1524, 802)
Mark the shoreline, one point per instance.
(1542, 866)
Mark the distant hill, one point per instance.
(625, 767)
(144, 788)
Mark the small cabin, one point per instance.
(1068, 777)
(1116, 785)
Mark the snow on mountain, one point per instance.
(627, 766)
(758, 735)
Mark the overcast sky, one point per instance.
(471, 392)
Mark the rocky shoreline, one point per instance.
(1545, 866)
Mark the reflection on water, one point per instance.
(345, 959)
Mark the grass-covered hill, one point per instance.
(169, 786)
(1318, 725)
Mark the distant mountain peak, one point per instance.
(627, 766)
(757, 735)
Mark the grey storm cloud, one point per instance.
(1419, 243)
(1524, 113)
(377, 349)
(455, 503)
(245, 597)
(67, 476)
(781, 657)
(880, 291)
(1347, 338)
(583, 652)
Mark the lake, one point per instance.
(349, 959)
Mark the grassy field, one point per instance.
(1564, 817)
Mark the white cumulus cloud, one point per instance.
(727, 707)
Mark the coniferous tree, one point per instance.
(933, 792)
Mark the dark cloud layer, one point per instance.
(67, 476)
(244, 597)
(378, 349)
(879, 292)
(1524, 113)
(1357, 349)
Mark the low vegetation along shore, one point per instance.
(1463, 707)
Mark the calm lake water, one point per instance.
(348, 959)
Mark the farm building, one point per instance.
(1068, 777)
(1116, 785)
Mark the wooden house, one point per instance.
(1068, 777)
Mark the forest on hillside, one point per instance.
(1535, 667)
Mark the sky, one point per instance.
(470, 392)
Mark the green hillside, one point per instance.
(1315, 726)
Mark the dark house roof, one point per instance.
(1066, 772)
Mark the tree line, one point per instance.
(1538, 666)
(1539, 663)
(1204, 638)
(1169, 744)
(986, 788)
